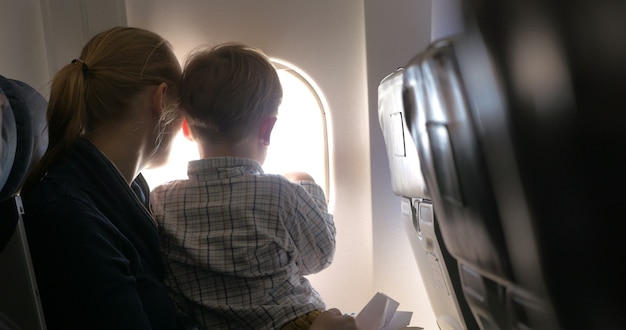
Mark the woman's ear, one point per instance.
(265, 131)
(158, 100)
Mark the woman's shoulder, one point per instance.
(52, 193)
(55, 206)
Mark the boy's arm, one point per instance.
(308, 183)
(313, 230)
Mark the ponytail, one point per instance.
(65, 116)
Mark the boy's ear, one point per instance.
(265, 131)
(186, 131)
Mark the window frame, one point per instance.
(322, 105)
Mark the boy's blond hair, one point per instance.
(227, 89)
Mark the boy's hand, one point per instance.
(297, 176)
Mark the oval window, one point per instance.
(300, 137)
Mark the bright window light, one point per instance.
(299, 141)
(182, 151)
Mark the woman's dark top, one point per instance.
(95, 248)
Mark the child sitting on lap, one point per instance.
(238, 241)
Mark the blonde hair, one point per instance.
(227, 89)
(113, 68)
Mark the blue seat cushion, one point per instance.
(26, 138)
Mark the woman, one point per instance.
(93, 243)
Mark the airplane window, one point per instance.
(299, 141)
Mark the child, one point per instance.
(238, 241)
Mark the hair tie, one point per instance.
(84, 66)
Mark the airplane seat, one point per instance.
(519, 128)
(437, 267)
(24, 140)
(456, 116)
(564, 97)
(447, 133)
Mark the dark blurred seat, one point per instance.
(461, 137)
(24, 140)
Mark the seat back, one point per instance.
(519, 127)
(24, 140)
(458, 121)
(437, 268)
(564, 97)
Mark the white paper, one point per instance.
(400, 320)
(381, 313)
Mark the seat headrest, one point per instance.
(8, 144)
(24, 133)
(404, 164)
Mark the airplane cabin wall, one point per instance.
(39, 37)
(22, 43)
(396, 31)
